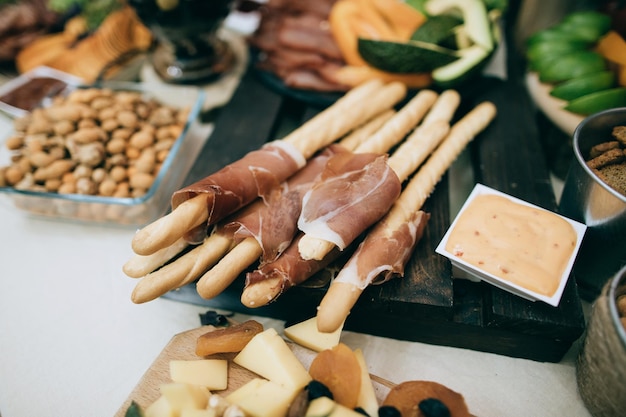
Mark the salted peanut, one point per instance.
(163, 133)
(55, 170)
(82, 171)
(127, 118)
(68, 178)
(85, 185)
(102, 102)
(146, 161)
(13, 175)
(117, 160)
(118, 173)
(338, 368)
(227, 339)
(164, 145)
(162, 116)
(122, 133)
(109, 125)
(14, 142)
(91, 154)
(132, 152)
(39, 125)
(141, 140)
(123, 190)
(162, 155)
(88, 135)
(23, 164)
(71, 112)
(41, 159)
(107, 113)
(116, 145)
(67, 188)
(142, 110)
(53, 184)
(99, 175)
(141, 180)
(107, 187)
(63, 127)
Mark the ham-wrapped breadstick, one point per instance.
(214, 281)
(366, 266)
(213, 198)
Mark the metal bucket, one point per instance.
(589, 200)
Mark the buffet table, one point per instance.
(73, 344)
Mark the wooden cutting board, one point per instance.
(182, 346)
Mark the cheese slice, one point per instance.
(306, 334)
(268, 355)
(182, 396)
(209, 373)
(367, 396)
(160, 408)
(263, 398)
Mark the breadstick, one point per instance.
(341, 296)
(360, 135)
(138, 265)
(353, 109)
(166, 230)
(356, 107)
(400, 124)
(409, 155)
(183, 270)
(218, 278)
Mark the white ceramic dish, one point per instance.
(551, 106)
(478, 274)
(66, 82)
(135, 211)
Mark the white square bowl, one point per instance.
(477, 273)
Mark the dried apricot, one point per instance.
(338, 368)
(227, 339)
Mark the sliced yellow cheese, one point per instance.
(263, 398)
(198, 413)
(268, 355)
(160, 408)
(184, 396)
(209, 373)
(306, 334)
(367, 396)
(325, 407)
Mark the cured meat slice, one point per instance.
(272, 221)
(340, 207)
(384, 253)
(283, 273)
(241, 182)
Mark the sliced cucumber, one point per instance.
(598, 101)
(572, 65)
(583, 85)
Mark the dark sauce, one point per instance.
(30, 94)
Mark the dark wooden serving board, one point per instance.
(427, 305)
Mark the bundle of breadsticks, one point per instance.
(339, 182)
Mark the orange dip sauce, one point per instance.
(524, 245)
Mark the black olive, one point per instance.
(388, 411)
(361, 411)
(317, 389)
(432, 407)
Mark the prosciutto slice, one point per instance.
(241, 182)
(340, 207)
(289, 269)
(384, 253)
(272, 221)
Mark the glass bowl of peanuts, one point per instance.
(109, 154)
